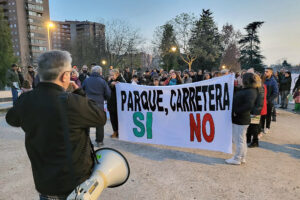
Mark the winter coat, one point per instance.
(127, 76)
(96, 89)
(173, 82)
(285, 84)
(272, 89)
(243, 104)
(112, 102)
(29, 76)
(259, 102)
(264, 108)
(12, 76)
(55, 135)
(187, 80)
(77, 81)
(83, 76)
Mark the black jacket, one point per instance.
(43, 119)
(285, 84)
(243, 103)
(83, 76)
(259, 102)
(297, 85)
(112, 102)
(127, 76)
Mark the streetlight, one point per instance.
(103, 62)
(173, 49)
(224, 67)
(49, 25)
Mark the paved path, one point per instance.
(168, 173)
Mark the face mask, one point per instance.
(84, 71)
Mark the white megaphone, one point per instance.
(112, 171)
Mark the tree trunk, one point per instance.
(190, 65)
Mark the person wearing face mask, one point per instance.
(84, 73)
(114, 78)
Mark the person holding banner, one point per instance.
(259, 109)
(115, 77)
(243, 103)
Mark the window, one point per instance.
(18, 53)
(35, 7)
(34, 27)
(37, 35)
(39, 1)
(34, 41)
(13, 3)
(37, 48)
(37, 14)
(15, 25)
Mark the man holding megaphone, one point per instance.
(55, 125)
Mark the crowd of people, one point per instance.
(273, 88)
(60, 104)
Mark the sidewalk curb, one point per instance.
(2, 110)
(5, 99)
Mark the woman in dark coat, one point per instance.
(260, 103)
(115, 77)
(243, 104)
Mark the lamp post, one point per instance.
(173, 49)
(103, 62)
(49, 25)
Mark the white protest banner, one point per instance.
(195, 115)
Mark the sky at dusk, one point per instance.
(280, 34)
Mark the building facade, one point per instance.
(28, 23)
(67, 32)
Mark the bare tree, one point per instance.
(231, 54)
(121, 40)
(183, 25)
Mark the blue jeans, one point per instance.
(58, 197)
(284, 99)
(14, 93)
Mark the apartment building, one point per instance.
(64, 33)
(28, 23)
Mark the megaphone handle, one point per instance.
(96, 190)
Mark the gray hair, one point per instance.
(97, 69)
(51, 63)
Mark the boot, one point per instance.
(253, 145)
(115, 135)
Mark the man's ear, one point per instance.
(63, 77)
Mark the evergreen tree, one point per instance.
(168, 41)
(7, 57)
(206, 41)
(250, 51)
